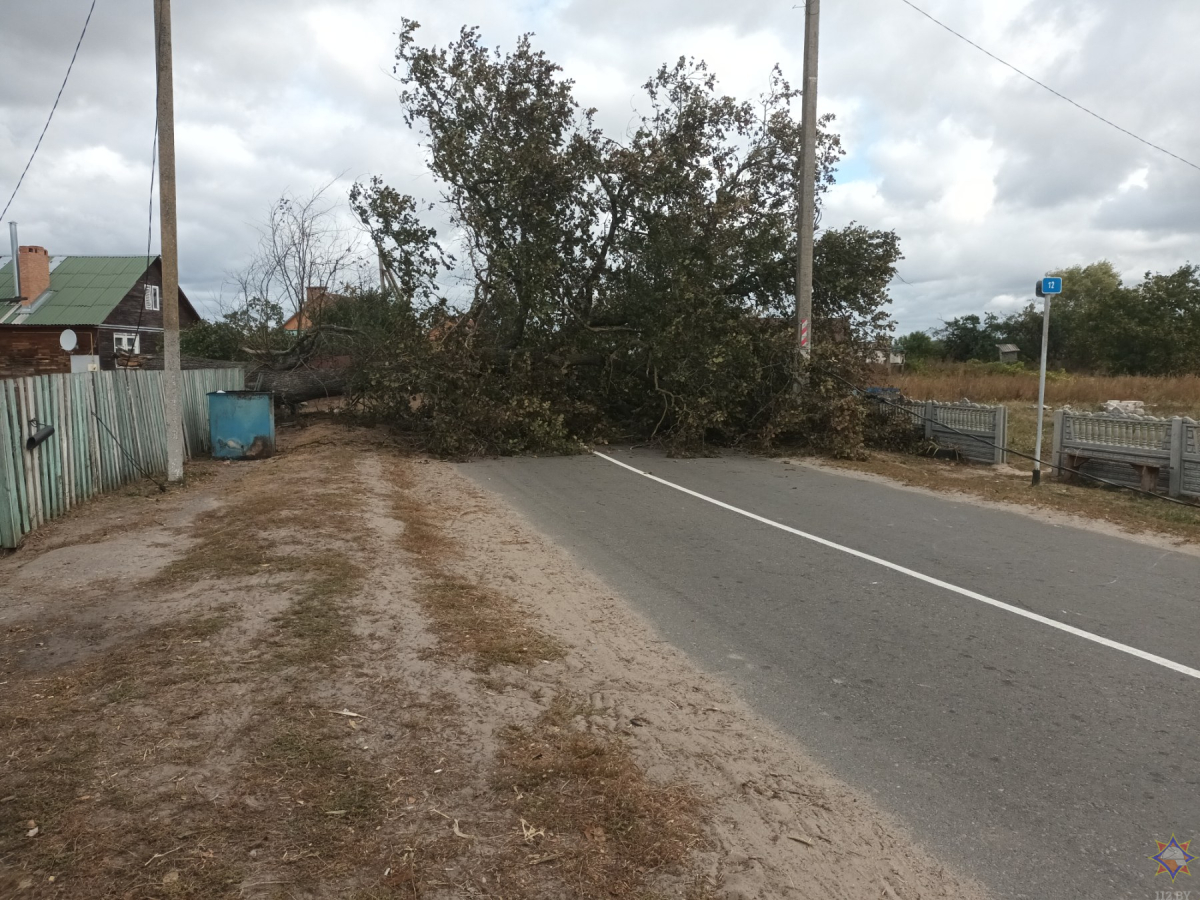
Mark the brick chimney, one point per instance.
(35, 272)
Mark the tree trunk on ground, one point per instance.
(296, 385)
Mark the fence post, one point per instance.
(929, 415)
(1178, 430)
(1000, 437)
(1056, 455)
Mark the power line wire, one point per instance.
(1047, 87)
(141, 309)
(149, 223)
(52, 109)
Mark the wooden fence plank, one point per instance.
(28, 411)
(54, 447)
(10, 514)
(14, 452)
(63, 433)
(94, 449)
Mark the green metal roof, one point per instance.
(83, 290)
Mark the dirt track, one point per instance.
(348, 673)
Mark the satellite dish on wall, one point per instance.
(68, 340)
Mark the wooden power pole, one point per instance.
(808, 182)
(173, 413)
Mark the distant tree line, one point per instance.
(1098, 324)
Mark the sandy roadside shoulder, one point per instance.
(782, 825)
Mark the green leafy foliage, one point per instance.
(211, 340)
(919, 346)
(256, 325)
(636, 288)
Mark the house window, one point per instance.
(128, 342)
(153, 297)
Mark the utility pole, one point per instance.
(173, 412)
(808, 182)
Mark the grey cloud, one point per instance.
(269, 101)
(1164, 208)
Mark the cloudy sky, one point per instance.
(988, 179)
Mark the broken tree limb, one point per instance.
(297, 384)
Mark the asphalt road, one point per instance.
(1041, 763)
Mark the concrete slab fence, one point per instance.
(976, 431)
(1154, 454)
(108, 431)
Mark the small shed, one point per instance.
(1009, 352)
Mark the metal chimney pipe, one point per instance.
(12, 239)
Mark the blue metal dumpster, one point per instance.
(241, 424)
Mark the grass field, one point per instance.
(985, 383)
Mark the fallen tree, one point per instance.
(641, 288)
(299, 384)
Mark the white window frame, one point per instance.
(153, 297)
(122, 337)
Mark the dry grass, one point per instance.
(484, 625)
(470, 619)
(1165, 396)
(127, 753)
(75, 737)
(585, 803)
(250, 538)
(592, 824)
(204, 757)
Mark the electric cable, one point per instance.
(913, 412)
(137, 329)
(46, 127)
(1047, 87)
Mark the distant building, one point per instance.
(893, 358)
(112, 303)
(1009, 352)
(318, 299)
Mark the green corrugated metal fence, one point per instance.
(108, 429)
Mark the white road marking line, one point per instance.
(928, 579)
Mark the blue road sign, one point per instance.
(1051, 285)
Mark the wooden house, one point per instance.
(111, 303)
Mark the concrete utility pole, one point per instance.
(173, 412)
(808, 182)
